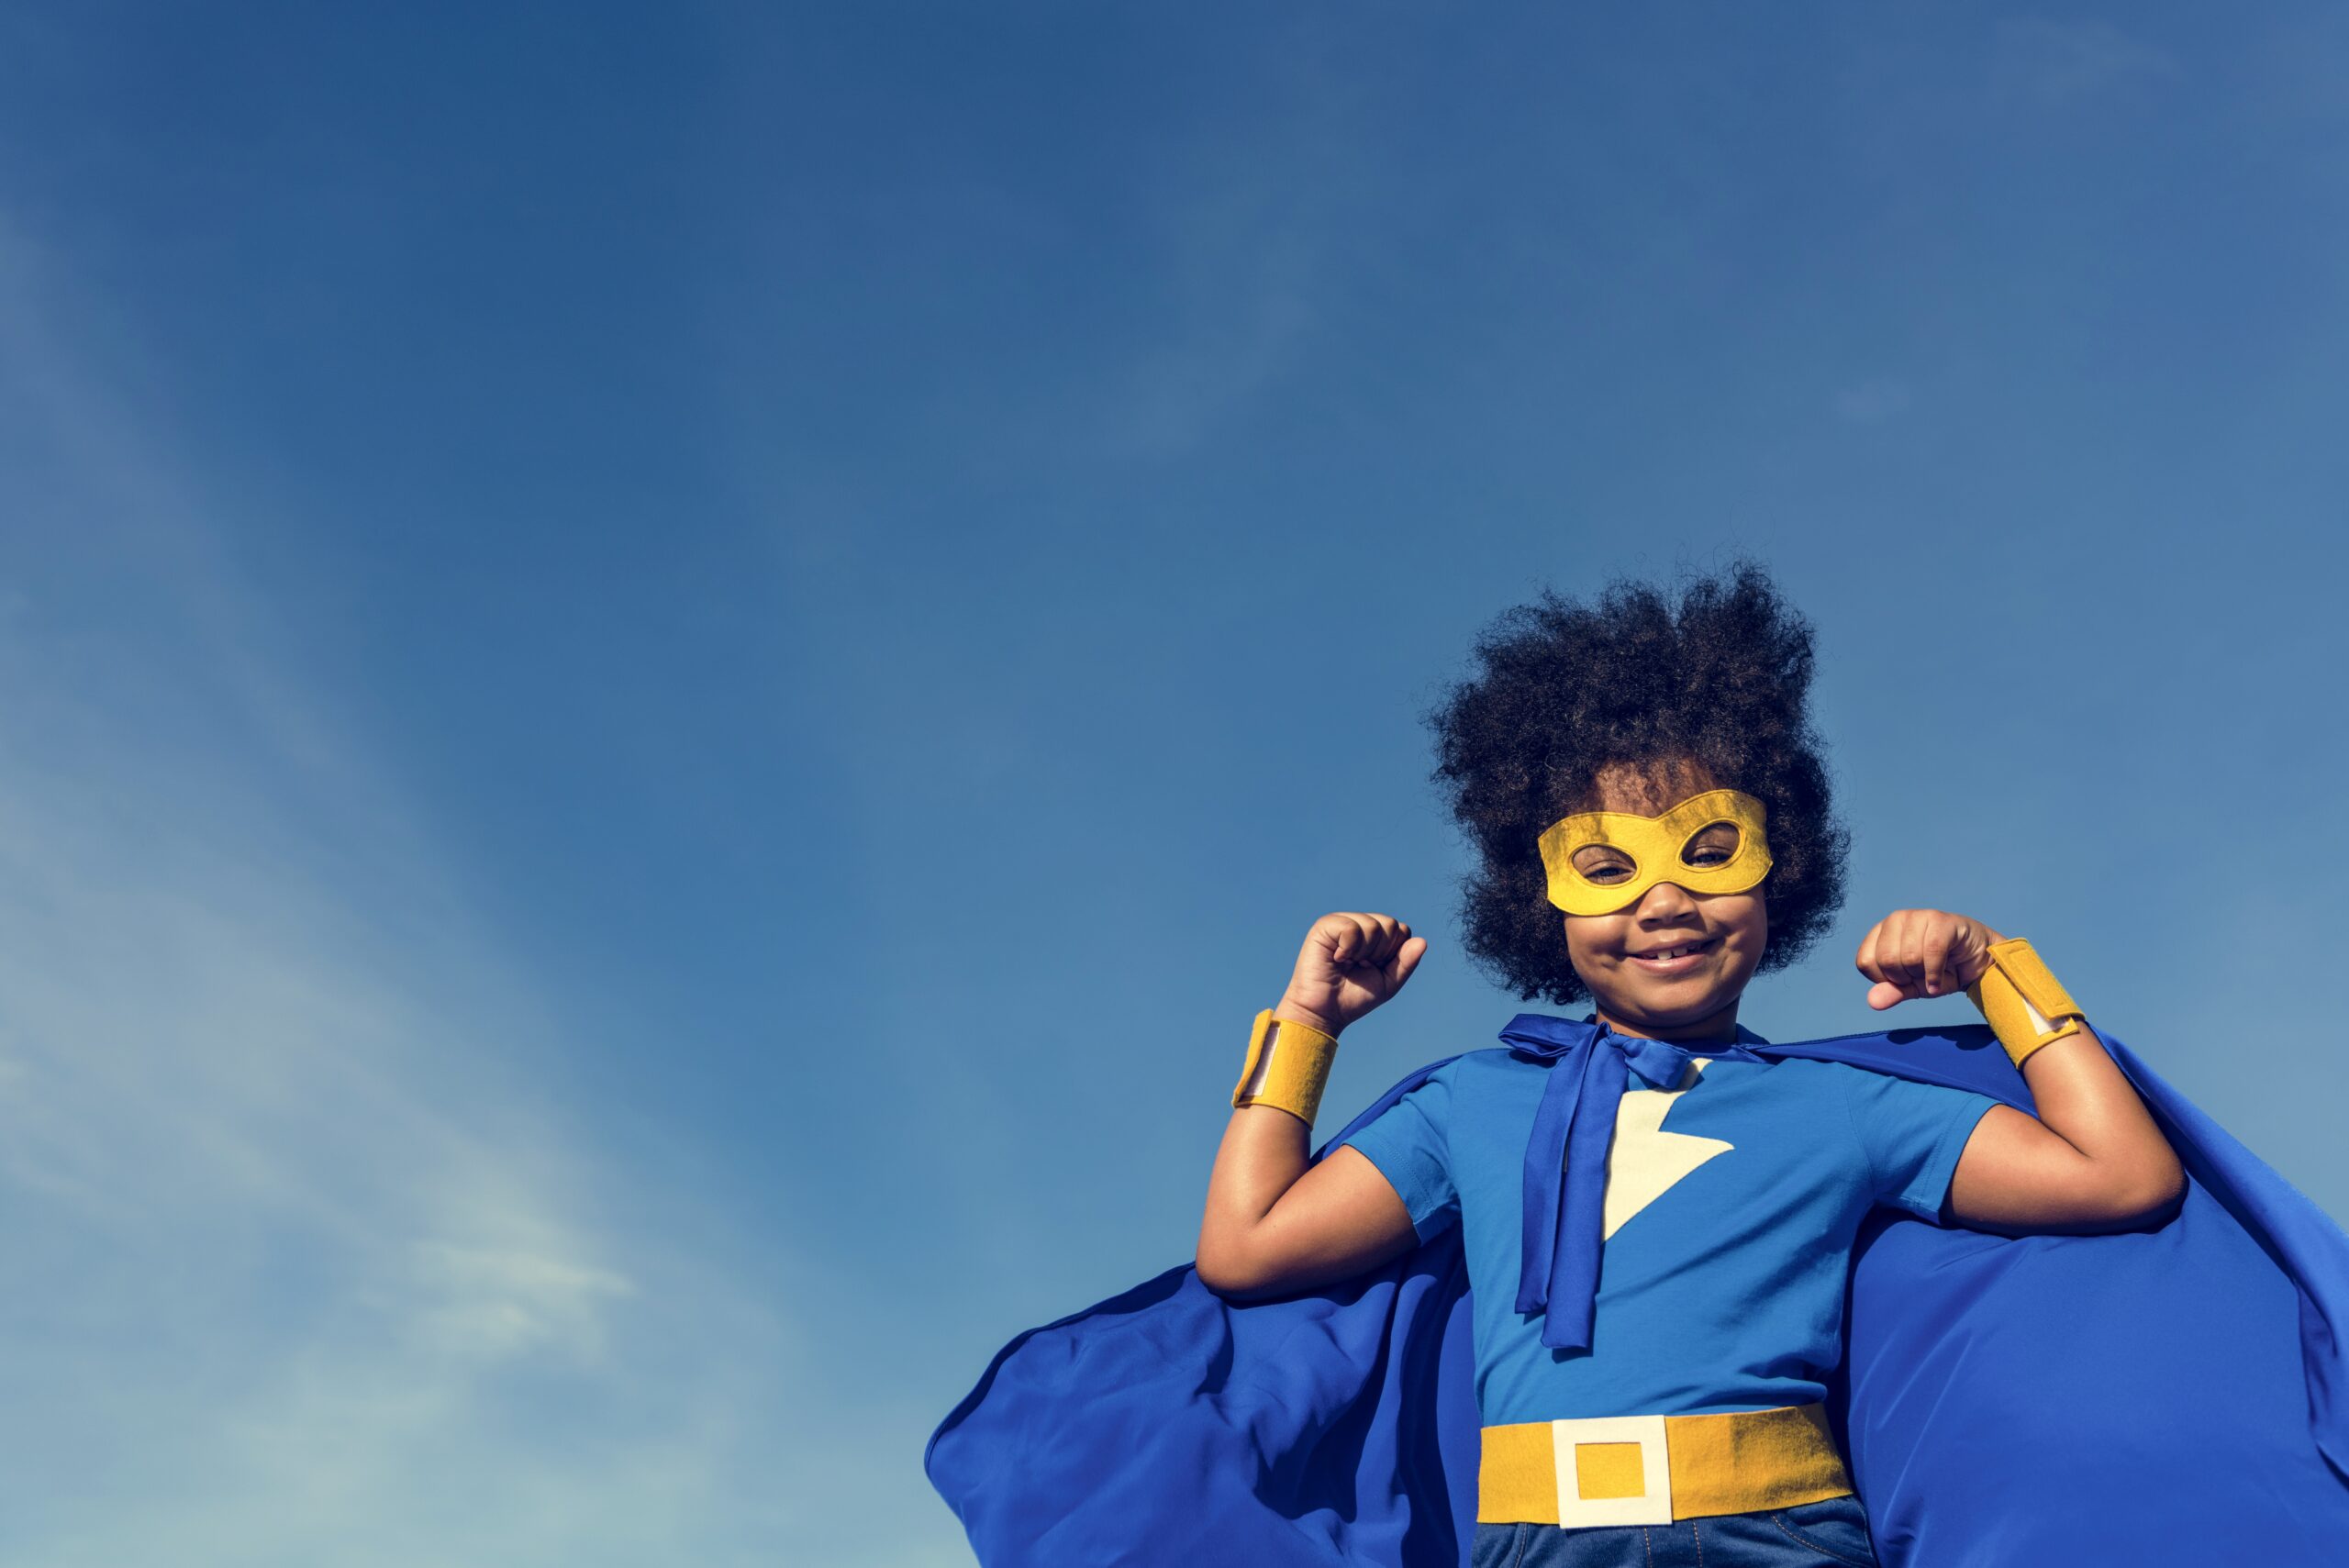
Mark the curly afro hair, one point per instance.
(1565, 688)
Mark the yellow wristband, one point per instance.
(2026, 1004)
(1287, 1064)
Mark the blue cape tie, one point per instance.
(1590, 1066)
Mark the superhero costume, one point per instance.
(2166, 1395)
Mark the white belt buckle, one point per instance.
(1653, 1507)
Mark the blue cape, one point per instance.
(2172, 1395)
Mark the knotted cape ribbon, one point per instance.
(1566, 1160)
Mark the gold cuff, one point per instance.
(2027, 1005)
(1287, 1064)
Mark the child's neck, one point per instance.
(1715, 1029)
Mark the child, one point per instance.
(1645, 1288)
(1653, 815)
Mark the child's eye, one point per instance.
(1717, 845)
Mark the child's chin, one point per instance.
(1680, 999)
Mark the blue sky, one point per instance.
(669, 681)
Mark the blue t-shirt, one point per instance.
(1733, 1202)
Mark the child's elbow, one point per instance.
(1227, 1265)
(1246, 1266)
(2146, 1195)
(1230, 1272)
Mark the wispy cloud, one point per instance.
(2053, 61)
(1243, 263)
(1251, 210)
(301, 1269)
(1871, 402)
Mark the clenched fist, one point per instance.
(1349, 965)
(1923, 952)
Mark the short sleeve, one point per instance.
(1408, 1143)
(1911, 1135)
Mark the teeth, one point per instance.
(1672, 952)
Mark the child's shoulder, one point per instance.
(1499, 1063)
(1497, 1068)
(1500, 1067)
(1816, 1074)
(1472, 1075)
(1869, 1091)
(1483, 1067)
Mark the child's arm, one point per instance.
(1272, 1225)
(2091, 1160)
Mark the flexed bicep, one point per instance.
(1340, 1218)
(2018, 1175)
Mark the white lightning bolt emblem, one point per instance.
(1647, 1162)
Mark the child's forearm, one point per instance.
(1262, 1154)
(2092, 1160)
(1275, 1224)
(2092, 1157)
(1276, 1221)
(2084, 1098)
(1265, 1151)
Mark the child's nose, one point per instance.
(1662, 901)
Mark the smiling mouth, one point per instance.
(1672, 960)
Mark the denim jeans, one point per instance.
(1831, 1534)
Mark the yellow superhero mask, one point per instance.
(1659, 849)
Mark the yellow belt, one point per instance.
(1641, 1470)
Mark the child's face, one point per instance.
(1718, 937)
